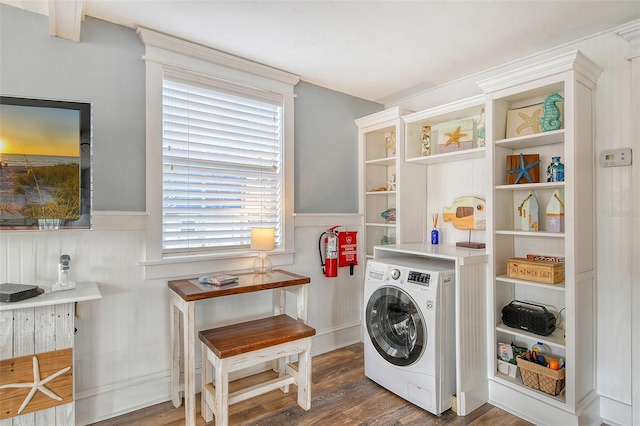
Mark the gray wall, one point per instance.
(326, 150)
(106, 69)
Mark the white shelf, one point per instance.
(555, 339)
(508, 280)
(534, 234)
(450, 156)
(382, 225)
(528, 141)
(83, 292)
(380, 192)
(516, 384)
(530, 186)
(386, 161)
(438, 251)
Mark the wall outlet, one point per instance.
(615, 157)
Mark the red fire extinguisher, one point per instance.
(330, 262)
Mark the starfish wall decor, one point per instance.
(38, 384)
(523, 170)
(454, 137)
(533, 122)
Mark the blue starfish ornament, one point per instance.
(523, 170)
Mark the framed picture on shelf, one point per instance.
(455, 135)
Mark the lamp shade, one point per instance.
(263, 238)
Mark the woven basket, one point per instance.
(541, 378)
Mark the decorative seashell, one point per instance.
(389, 215)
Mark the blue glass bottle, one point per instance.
(435, 236)
(555, 170)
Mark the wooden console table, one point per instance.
(182, 299)
(37, 339)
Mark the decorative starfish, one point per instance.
(37, 384)
(454, 137)
(533, 122)
(523, 170)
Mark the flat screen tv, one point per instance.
(45, 164)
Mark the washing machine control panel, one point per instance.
(420, 278)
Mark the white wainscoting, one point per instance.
(122, 350)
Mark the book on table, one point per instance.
(218, 280)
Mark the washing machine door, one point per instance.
(396, 326)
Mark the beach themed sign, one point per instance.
(528, 211)
(555, 212)
(455, 135)
(467, 213)
(523, 168)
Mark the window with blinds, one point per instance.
(221, 166)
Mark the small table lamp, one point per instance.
(262, 239)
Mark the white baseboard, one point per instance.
(124, 397)
(538, 412)
(473, 398)
(336, 338)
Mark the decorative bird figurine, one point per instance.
(467, 213)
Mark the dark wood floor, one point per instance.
(341, 395)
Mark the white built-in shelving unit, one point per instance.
(573, 300)
(380, 162)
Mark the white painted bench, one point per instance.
(234, 347)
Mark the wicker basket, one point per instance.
(541, 378)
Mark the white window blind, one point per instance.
(221, 166)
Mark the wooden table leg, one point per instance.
(301, 301)
(189, 334)
(174, 323)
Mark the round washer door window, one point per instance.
(396, 326)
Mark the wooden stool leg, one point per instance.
(207, 376)
(221, 392)
(304, 377)
(282, 371)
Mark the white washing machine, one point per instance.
(409, 336)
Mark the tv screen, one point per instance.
(45, 164)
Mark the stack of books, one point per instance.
(218, 280)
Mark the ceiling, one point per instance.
(375, 50)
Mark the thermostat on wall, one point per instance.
(615, 157)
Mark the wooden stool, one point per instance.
(233, 347)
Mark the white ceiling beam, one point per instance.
(65, 17)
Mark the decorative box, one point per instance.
(527, 120)
(523, 163)
(524, 121)
(546, 258)
(455, 135)
(535, 270)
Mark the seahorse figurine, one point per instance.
(551, 113)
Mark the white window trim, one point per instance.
(162, 50)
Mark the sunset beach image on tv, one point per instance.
(40, 166)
